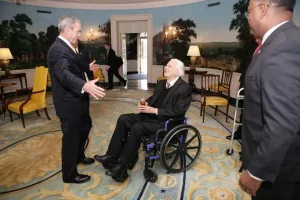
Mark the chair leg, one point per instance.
(37, 112)
(22, 118)
(46, 113)
(216, 110)
(203, 111)
(10, 115)
(201, 108)
(227, 112)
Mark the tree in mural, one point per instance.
(240, 24)
(52, 33)
(20, 38)
(105, 28)
(185, 31)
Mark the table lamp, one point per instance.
(5, 56)
(193, 53)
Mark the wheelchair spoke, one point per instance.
(191, 147)
(182, 160)
(188, 155)
(173, 145)
(172, 153)
(175, 159)
(190, 140)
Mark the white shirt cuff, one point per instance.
(254, 177)
(156, 111)
(82, 91)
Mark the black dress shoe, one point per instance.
(118, 171)
(80, 178)
(87, 161)
(106, 159)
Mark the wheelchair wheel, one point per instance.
(150, 175)
(180, 148)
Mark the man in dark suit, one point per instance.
(271, 121)
(113, 67)
(70, 91)
(170, 99)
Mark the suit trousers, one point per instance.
(111, 72)
(75, 133)
(126, 139)
(278, 191)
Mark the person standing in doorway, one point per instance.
(113, 67)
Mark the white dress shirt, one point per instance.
(267, 34)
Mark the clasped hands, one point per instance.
(146, 109)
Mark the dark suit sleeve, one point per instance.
(64, 76)
(111, 57)
(183, 102)
(280, 83)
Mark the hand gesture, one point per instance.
(94, 90)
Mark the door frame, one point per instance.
(115, 36)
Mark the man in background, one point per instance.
(271, 119)
(70, 91)
(113, 67)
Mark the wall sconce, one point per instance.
(5, 56)
(92, 35)
(193, 53)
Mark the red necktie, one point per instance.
(257, 50)
(168, 85)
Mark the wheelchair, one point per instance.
(177, 147)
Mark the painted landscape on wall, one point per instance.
(221, 32)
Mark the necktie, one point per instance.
(168, 85)
(75, 51)
(257, 50)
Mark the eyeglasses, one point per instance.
(248, 11)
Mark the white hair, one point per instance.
(66, 21)
(180, 66)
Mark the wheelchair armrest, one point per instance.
(175, 120)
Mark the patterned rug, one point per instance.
(30, 160)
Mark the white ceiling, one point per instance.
(107, 1)
(104, 4)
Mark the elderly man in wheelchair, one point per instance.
(170, 100)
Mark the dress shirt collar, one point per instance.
(173, 82)
(67, 42)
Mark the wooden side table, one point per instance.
(15, 76)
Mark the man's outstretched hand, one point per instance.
(94, 90)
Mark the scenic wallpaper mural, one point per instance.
(220, 31)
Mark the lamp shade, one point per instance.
(5, 54)
(193, 51)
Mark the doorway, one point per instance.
(133, 24)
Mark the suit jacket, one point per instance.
(67, 78)
(271, 120)
(176, 102)
(111, 59)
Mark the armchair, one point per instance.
(99, 74)
(36, 98)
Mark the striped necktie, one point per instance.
(168, 85)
